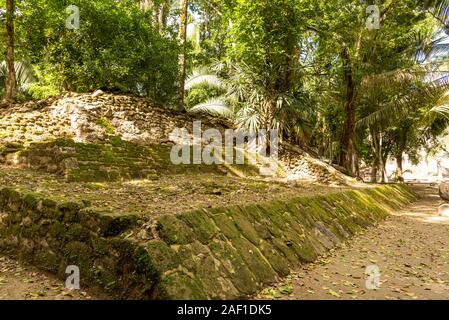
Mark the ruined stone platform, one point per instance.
(87, 180)
(225, 251)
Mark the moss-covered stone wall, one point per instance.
(54, 235)
(111, 160)
(217, 253)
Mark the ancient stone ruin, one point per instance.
(90, 183)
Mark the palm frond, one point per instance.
(439, 9)
(24, 75)
(390, 77)
(442, 110)
(430, 93)
(202, 76)
(214, 106)
(248, 118)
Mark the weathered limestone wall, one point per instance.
(210, 254)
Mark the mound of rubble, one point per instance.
(300, 165)
(87, 180)
(92, 117)
(96, 121)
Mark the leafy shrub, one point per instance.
(115, 49)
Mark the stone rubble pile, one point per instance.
(94, 118)
(77, 115)
(301, 166)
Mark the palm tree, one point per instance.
(246, 101)
(24, 76)
(402, 102)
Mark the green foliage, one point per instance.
(114, 49)
(200, 94)
(24, 79)
(47, 84)
(263, 48)
(307, 67)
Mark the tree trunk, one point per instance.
(182, 54)
(381, 159)
(375, 144)
(401, 142)
(331, 151)
(157, 10)
(399, 170)
(10, 83)
(357, 172)
(145, 5)
(347, 149)
(383, 164)
(374, 169)
(162, 18)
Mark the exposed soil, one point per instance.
(21, 282)
(411, 250)
(167, 195)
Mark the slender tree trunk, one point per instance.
(399, 170)
(375, 144)
(401, 141)
(156, 10)
(10, 83)
(374, 169)
(357, 167)
(182, 54)
(385, 178)
(381, 159)
(161, 18)
(347, 149)
(145, 5)
(331, 151)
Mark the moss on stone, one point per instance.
(47, 260)
(286, 250)
(259, 266)
(180, 286)
(105, 124)
(245, 224)
(31, 200)
(174, 231)
(203, 225)
(277, 260)
(212, 274)
(69, 210)
(226, 224)
(111, 225)
(76, 232)
(239, 273)
(79, 254)
(215, 254)
(57, 231)
(162, 257)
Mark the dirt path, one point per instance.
(20, 282)
(410, 250)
